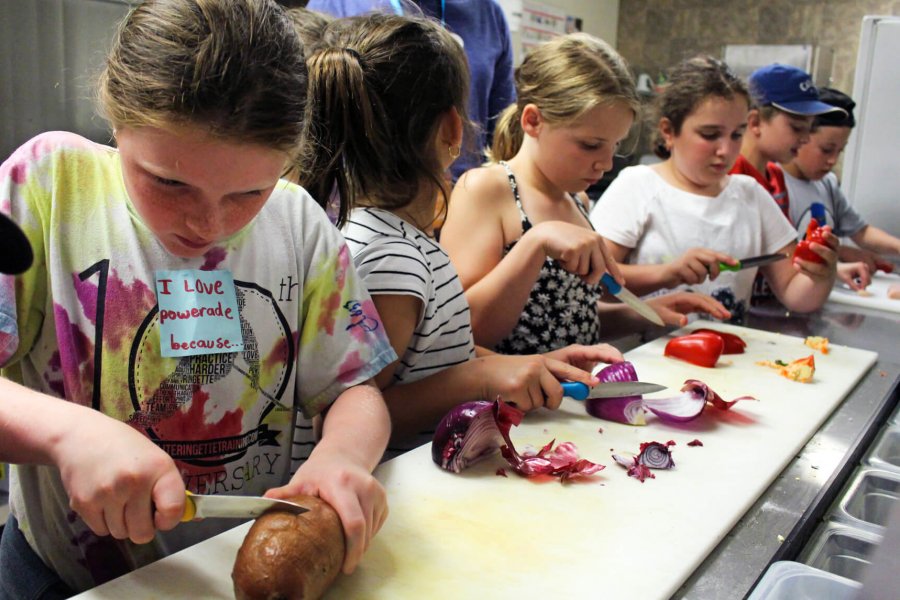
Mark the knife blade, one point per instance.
(198, 506)
(612, 389)
(755, 261)
(631, 300)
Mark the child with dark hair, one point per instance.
(812, 187)
(675, 222)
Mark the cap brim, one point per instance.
(15, 251)
(807, 108)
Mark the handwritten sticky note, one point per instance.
(198, 313)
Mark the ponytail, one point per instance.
(340, 137)
(378, 87)
(508, 135)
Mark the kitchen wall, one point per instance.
(655, 34)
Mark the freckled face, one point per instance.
(574, 156)
(193, 190)
(782, 136)
(817, 158)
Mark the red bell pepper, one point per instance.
(881, 265)
(702, 349)
(733, 343)
(814, 234)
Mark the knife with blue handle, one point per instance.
(630, 299)
(612, 389)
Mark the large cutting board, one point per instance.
(878, 298)
(481, 535)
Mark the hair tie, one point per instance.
(352, 52)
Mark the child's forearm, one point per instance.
(644, 279)
(497, 300)
(806, 294)
(31, 423)
(877, 240)
(420, 405)
(358, 425)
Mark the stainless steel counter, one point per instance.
(782, 520)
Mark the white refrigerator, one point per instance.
(871, 170)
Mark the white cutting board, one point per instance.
(481, 535)
(878, 289)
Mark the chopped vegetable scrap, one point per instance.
(634, 466)
(702, 349)
(653, 455)
(734, 344)
(474, 430)
(801, 370)
(630, 409)
(656, 455)
(817, 343)
(695, 443)
(501, 472)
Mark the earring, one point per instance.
(454, 151)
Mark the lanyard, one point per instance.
(398, 9)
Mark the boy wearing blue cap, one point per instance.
(785, 102)
(811, 187)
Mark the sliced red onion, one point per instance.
(688, 406)
(695, 443)
(656, 456)
(466, 434)
(474, 430)
(624, 409)
(634, 466)
(562, 462)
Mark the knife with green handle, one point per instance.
(756, 261)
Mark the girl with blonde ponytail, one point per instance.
(517, 230)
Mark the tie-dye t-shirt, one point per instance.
(87, 330)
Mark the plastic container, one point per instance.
(885, 450)
(787, 580)
(868, 500)
(840, 550)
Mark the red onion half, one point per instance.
(624, 409)
(474, 430)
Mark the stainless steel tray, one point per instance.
(867, 501)
(840, 549)
(885, 450)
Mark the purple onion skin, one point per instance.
(623, 371)
(613, 409)
(451, 431)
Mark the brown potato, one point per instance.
(290, 557)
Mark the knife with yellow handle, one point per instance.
(198, 506)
